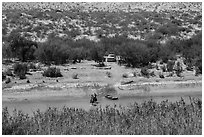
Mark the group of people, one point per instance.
(93, 98)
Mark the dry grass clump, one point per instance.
(148, 118)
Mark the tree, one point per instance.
(22, 48)
(6, 51)
(135, 54)
(53, 51)
(97, 54)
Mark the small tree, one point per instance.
(20, 69)
(22, 48)
(178, 69)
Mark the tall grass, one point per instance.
(146, 118)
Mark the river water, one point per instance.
(29, 106)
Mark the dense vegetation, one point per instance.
(136, 53)
(146, 118)
(138, 35)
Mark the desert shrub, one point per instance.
(198, 66)
(161, 75)
(134, 74)
(178, 69)
(8, 72)
(20, 69)
(108, 74)
(22, 75)
(170, 66)
(189, 67)
(125, 75)
(152, 74)
(31, 66)
(52, 72)
(8, 80)
(144, 72)
(75, 76)
(163, 68)
(198, 71)
(3, 76)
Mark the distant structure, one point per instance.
(109, 58)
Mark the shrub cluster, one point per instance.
(135, 53)
(145, 72)
(20, 69)
(52, 72)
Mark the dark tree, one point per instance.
(22, 48)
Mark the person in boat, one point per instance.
(93, 98)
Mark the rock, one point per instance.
(73, 68)
(28, 81)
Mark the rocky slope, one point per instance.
(136, 20)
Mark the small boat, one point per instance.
(111, 97)
(95, 103)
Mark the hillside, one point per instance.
(160, 21)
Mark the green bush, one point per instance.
(20, 70)
(52, 72)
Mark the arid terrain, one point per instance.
(76, 92)
(142, 60)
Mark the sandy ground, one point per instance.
(76, 92)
